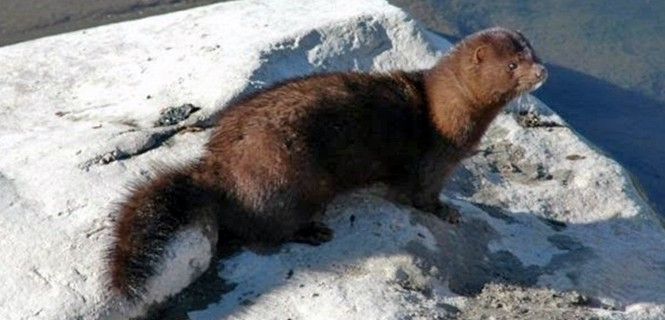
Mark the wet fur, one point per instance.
(277, 157)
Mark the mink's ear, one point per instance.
(480, 54)
(520, 33)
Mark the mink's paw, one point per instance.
(397, 196)
(314, 233)
(441, 210)
(449, 214)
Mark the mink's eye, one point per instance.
(512, 66)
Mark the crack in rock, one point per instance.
(131, 147)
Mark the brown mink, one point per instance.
(277, 157)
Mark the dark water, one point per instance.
(22, 20)
(626, 124)
(606, 62)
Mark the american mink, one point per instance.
(277, 157)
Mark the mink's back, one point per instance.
(356, 128)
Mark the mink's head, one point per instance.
(498, 65)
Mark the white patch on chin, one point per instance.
(537, 85)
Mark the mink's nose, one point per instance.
(541, 72)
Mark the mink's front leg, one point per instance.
(431, 174)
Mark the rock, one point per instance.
(505, 302)
(540, 229)
(173, 115)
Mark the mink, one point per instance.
(278, 156)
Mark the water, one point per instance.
(606, 61)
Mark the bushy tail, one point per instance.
(150, 217)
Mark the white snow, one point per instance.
(540, 206)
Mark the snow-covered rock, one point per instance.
(559, 226)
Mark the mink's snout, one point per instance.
(540, 72)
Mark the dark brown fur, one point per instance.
(278, 157)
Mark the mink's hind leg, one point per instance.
(286, 216)
(400, 192)
(312, 205)
(312, 232)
